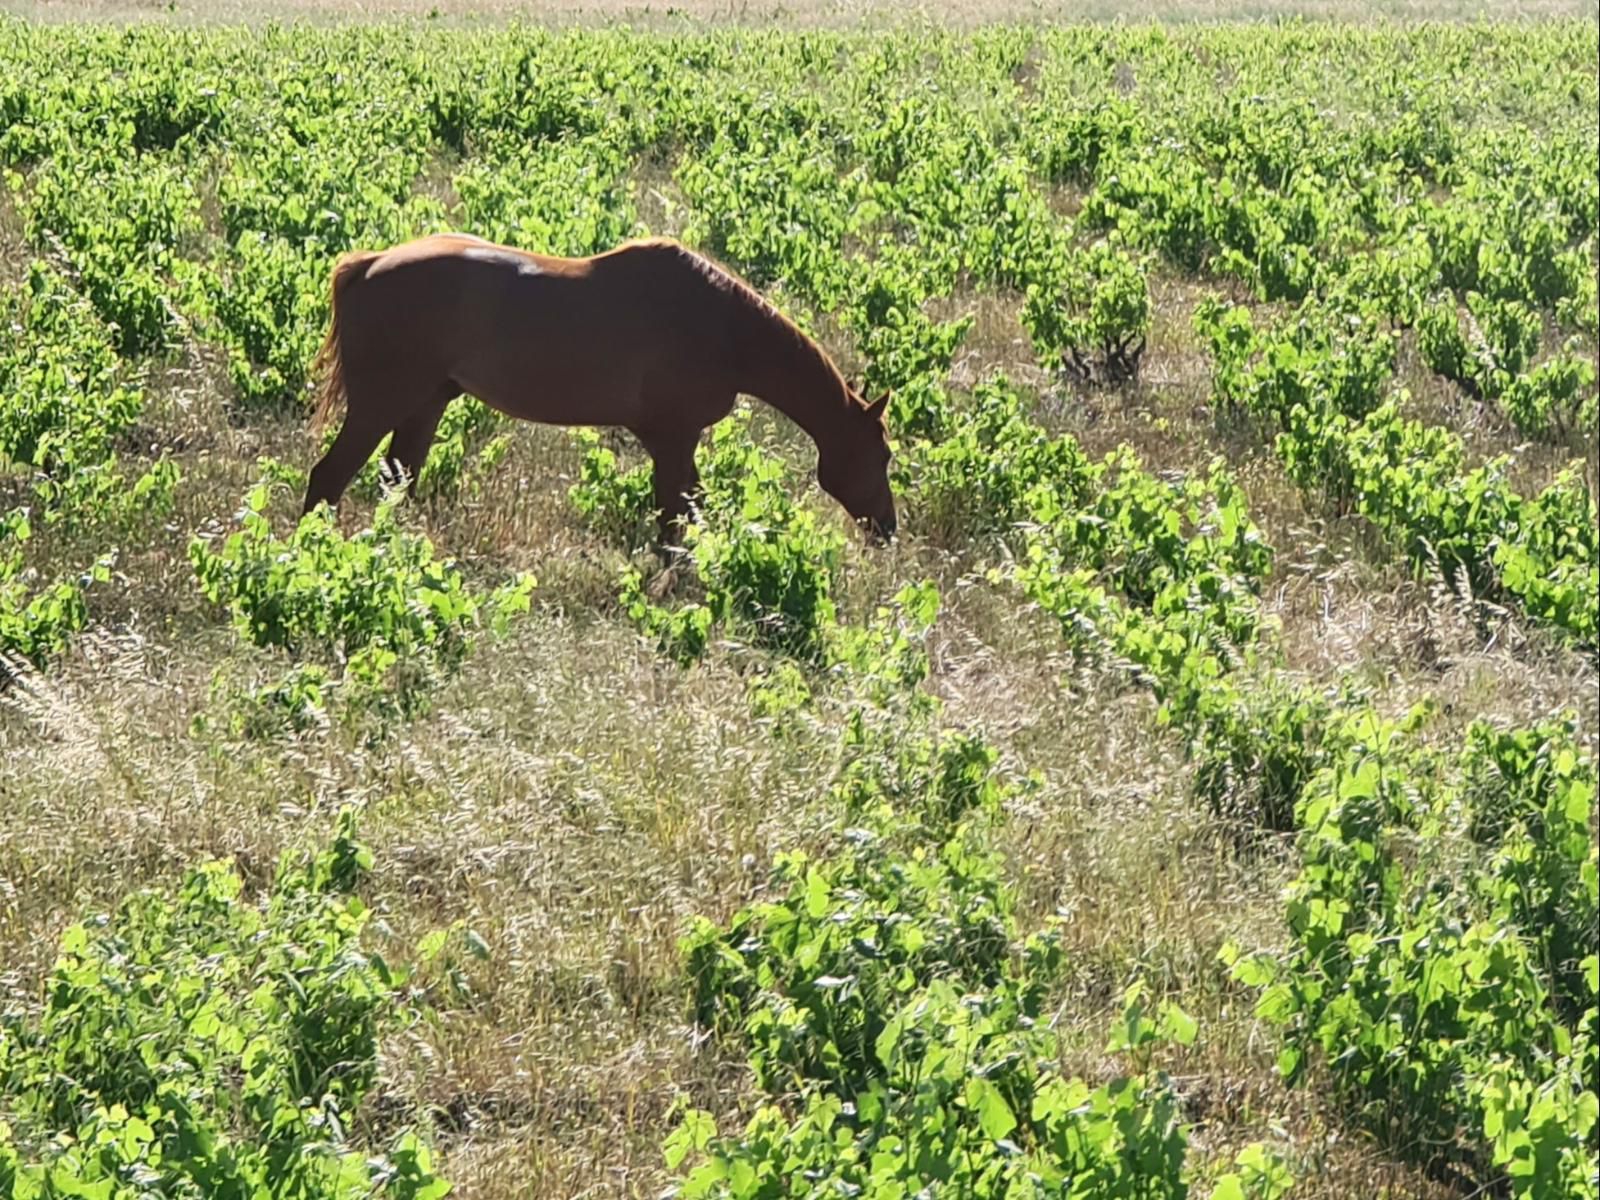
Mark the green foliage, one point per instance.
(35, 624)
(1185, 558)
(201, 1044)
(1557, 396)
(1092, 317)
(765, 565)
(682, 633)
(1318, 381)
(1306, 380)
(1262, 1175)
(886, 659)
(886, 988)
(556, 197)
(1072, 145)
(62, 399)
(64, 407)
(985, 477)
(1553, 567)
(272, 309)
(378, 603)
(826, 966)
(967, 1097)
(1437, 962)
(1485, 353)
(908, 354)
(120, 231)
(616, 504)
(1257, 748)
(1531, 796)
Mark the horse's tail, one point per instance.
(329, 363)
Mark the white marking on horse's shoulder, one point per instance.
(490, 253)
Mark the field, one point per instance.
(1197, 798)
(687, 15)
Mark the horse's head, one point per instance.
(853, 468)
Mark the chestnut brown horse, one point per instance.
(650, 336)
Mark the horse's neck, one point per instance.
(789, 372)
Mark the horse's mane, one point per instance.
(758, 305)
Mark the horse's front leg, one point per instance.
(677, 482)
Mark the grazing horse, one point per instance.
(649, 336)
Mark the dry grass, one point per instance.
(793, 14)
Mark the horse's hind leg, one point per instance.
(413, 437)
(376, 406)
(358, 438)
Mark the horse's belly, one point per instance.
(554, 394)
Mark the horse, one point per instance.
(649, 336)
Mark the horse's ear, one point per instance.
(875, 409)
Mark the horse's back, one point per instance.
(651, 268)
(588, 335)
(465, 249)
